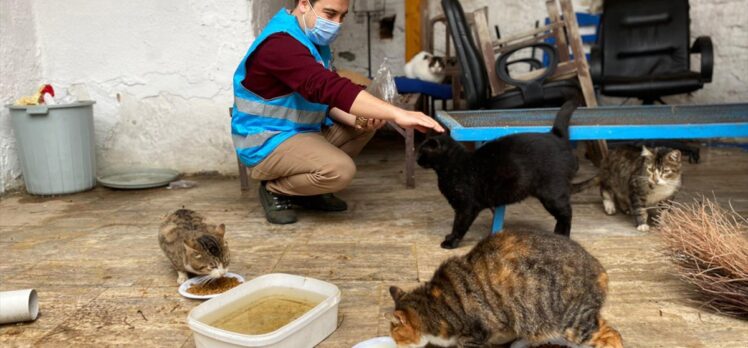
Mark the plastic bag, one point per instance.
(181, 184)
(44, 95)
(383, 86)
(47, 95)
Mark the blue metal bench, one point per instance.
(607, 122)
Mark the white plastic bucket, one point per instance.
(307, 331)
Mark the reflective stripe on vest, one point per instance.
(279, 112)
(252, 140)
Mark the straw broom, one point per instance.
(709, 245)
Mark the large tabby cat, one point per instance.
(637, 179)
(530, 288)
(194, 246)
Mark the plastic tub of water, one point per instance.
(236, 318)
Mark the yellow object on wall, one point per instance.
(414, 10)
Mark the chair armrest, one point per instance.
(503, 63)
(536, 64)
(703, 46)
(596, 64)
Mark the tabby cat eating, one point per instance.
(529, 288)
(194, 246)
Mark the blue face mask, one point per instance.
(324, 31)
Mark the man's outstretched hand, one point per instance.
(417, 120)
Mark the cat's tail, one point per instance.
(584, 185)
(561, 124)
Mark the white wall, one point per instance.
(20, 74)
(160, 72)
(726, 21)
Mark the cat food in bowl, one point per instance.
(378, 342)
(274, 310)
(202, 288)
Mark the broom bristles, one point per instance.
(709, 245)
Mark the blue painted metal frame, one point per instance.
(608, 122)
(727, 130)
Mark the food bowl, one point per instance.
(378, 342)
(136, 178)
(192, 281)
(307, 330)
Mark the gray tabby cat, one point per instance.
(194, 246)
(636, 180)
(527, 287)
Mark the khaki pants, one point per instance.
(310, 164)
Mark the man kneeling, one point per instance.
(293, 118)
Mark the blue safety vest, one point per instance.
(259, 125)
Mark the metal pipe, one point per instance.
(368, 39)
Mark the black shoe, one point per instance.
(324, 202)
(278, 209)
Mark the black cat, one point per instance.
(505, 171)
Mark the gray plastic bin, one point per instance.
(56, 147)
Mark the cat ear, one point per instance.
(646, 152)
(396, 318)
(391, 318)
(169, 232)
(396, 293)
(190, 247)
(674, 156)
(430, 143)
(219, 230)
(400, 317)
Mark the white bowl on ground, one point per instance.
(377, 342)
(189, 282)
(306, 331)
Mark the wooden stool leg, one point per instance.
(498, 219)
(410, 159)
(243, 177)
(598, 149)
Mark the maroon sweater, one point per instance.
(281, 65)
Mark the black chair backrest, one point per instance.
(645, 37)
(473, 73)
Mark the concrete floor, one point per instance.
(102, 279)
